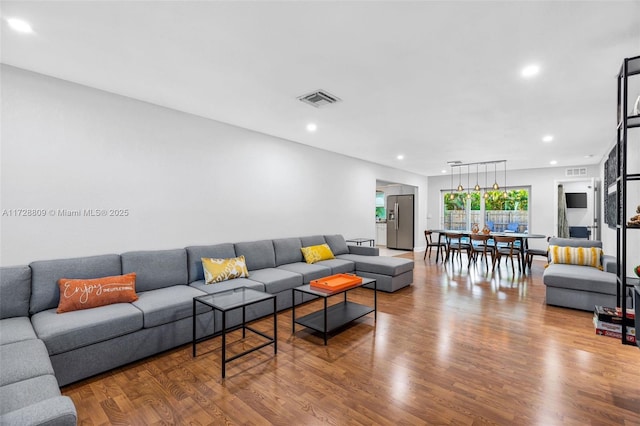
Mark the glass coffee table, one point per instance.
(333, 317)
(230, 300)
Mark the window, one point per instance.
(500, 214)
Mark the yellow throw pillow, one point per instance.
(218, 270)
(313, 254)
(583, 256)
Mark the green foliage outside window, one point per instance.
(517, 199)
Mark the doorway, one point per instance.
(582, 207)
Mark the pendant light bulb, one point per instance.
(460, 187)
(486, 195)
(495, 177)
(451, 196)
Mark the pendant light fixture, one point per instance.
(451, 196)
(495, 177)
(460, 187)
(486, 192)
(477, 187)
(505, 194)
(468, 192)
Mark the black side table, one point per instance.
(227, 301)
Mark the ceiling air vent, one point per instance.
(578, 171)
(319, 98)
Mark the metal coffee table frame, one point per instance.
(333, 317)
(227, 301)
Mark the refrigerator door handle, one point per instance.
(397, 208)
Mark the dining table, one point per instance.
(522, 237)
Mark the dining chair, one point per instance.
(455, 244)
(505, 247)
(439, 245)
(480, 247)
(536, 252)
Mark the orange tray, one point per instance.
(336, 282)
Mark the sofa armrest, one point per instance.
(364, 250)
(57, 411)
(609, 263)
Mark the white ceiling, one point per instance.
(434, 81)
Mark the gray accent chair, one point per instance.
(580, 287)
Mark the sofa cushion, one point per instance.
(308, 271)
(337, 243)
(383, 265)
(581, 278)
(581, 256)
(276, 280)
(218, 270)
(196, 253)
(23, 360)
(56, 411)
(157, 268)
(15, 330)
(167, 304)
(258, 254)
(312, 240)
(338, 266)
(86, 294)
(574, 242)
(313, 254)
(287, 250)
(72, 330)
(15, 291)
(227, 285)
(46, 273)
(26, 392)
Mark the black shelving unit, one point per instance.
(627, 140)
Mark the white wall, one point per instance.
(183, 179)
(541, 197)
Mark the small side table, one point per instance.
(360, 241)
(227, 301)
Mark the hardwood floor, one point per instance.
(456, 347)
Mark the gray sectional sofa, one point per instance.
(45, 349)
(580, 287)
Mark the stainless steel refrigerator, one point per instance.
(400, 222)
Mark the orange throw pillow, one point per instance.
(76, 294)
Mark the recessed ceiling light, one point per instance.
(400, 157)
(553, 162)
(443, 171)
(588, 156)
(547, 138)
(530, 70)
(312, 127)
(19, 25)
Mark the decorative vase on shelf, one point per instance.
(475, 228)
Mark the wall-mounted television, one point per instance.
(576, 200)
